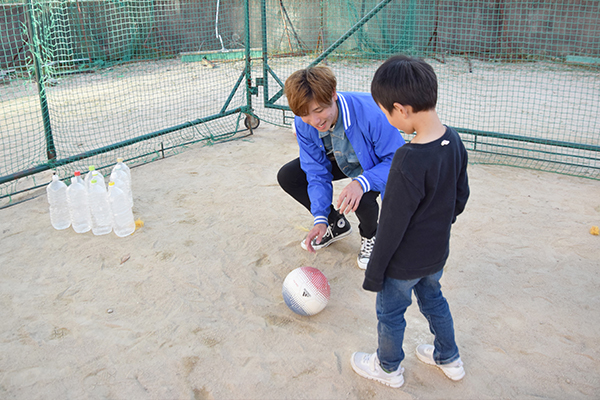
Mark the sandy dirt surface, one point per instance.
(197, 310)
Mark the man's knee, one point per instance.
(290, 174)
(281, 176)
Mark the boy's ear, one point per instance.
(402, 110)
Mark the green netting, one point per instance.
(519, 79)
(85, 82)
(82, 82)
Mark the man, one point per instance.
(341, 135)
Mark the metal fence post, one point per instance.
(249, 87)
(36, 53)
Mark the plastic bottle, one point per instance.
(123, 223)
(88, 176)
(100, 178)
(124, 167)
(123, 181)
(79, 209)
(100, 208)
(59, 209)
(79, 178)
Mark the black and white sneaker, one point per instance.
(366, 248)
(335, 232)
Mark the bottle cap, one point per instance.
(119, 160)
(77, 173)
(111, 183)
(91, 168)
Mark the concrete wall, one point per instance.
(106, 31)
(482, 28)
(13, 49)
(514, 28)
(117, 31)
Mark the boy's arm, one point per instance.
(401, 201)
(462, 189)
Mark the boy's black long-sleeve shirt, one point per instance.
(426, 189)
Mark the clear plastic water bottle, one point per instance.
(79, 178)
(100, 178)
(94, 174)
(123, 223)
(88, 176)
(59, 209)
(79, 209)
(100, 208)
(124, 167)
(123, 181)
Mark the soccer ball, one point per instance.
(306, 291)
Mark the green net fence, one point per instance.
(520, 80)
(85, 82)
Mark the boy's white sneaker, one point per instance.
(453, 370)
(366, 248)
(367, 366)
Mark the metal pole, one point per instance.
(248, 59)
(36, 50)
(263, 35)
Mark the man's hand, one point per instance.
(350, 197)
(317, 231)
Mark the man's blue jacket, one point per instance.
(374, 140)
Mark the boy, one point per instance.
(427, 188)
(341, 135)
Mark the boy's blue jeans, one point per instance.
(392, 303)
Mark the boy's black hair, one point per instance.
(405, 80)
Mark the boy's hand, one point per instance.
(350, 197)
(317, 231)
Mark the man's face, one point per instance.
(322, 117)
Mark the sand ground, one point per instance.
(197, 311)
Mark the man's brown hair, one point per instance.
(305, 85)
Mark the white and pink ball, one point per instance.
(306, 291)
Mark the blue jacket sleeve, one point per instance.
(383, 139)
(386, 140)
(318, 172)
